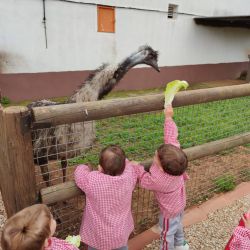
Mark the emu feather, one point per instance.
(63, 142)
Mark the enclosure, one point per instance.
(209, 121)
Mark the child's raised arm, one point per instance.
(170, 128)
(81, 174)
(146, 179)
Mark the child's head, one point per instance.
(172, 159)
(112, 160)
(28, 229)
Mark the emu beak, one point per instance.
(154, 64)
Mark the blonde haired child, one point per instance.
(32, 229)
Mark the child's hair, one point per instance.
(27, 229)
(172, 159)
(112, 160)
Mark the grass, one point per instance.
(26, 102)
(225, 183)
(5, 101)
(141, 134)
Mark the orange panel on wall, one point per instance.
(106, 19)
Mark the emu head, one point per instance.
(145, 55)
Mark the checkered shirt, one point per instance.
(171, 132)
(169, 190)
(58, 244)
(241, 239)
(107, 220)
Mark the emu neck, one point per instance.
(103, 81)
(96, 83)
(124, 67)
(121, 70)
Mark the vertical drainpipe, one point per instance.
(44, 24)
(248, 72)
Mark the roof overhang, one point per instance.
(224, 21)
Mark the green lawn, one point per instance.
(141, 134)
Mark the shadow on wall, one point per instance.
(3, 57)
(3, 61)
(243, 75)
(7, 61)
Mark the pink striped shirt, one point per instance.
(107, 220)
(58, 244)
(169, 190)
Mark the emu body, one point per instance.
(70, 140)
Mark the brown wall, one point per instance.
(33, 86)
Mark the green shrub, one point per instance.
(5, 100)
(225, 183)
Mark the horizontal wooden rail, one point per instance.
(88, 111)
(67, 190)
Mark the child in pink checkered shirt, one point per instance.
(32, 229)
(240, 239)
(107, 220)
(166, 179)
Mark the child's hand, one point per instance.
(169, 112)
(134, 162)
(100, 169)
(246, 221)
(91, 168)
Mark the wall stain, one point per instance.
(3, 61)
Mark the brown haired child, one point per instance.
(107, 220)
(32, 229)
(166, 179)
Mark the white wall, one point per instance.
(198, 7)
(75, 44)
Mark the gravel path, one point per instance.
(2, 216)
(213, 233)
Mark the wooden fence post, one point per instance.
(17, 171)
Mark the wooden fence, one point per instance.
(17, 172)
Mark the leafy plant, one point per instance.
(5, 100)
(225, 183)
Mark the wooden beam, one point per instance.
(69, 190)
(214, 147)
(60, 192)
(6, 187)
(17, 171)
(78, 112)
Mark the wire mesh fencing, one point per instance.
(66, 146)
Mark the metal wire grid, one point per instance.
(217, 173)
(140, 134)
(68, 214)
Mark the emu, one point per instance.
(63, 142)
